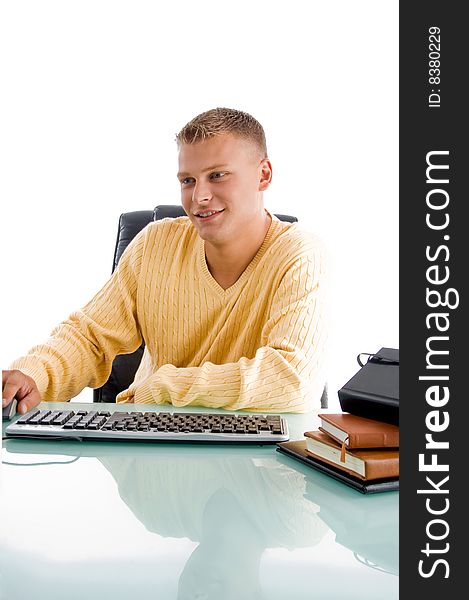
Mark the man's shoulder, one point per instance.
(168, 237)
(169, 223)
(294, 239)
(300, 253)
(171, 228)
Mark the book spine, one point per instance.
(372, 440)
(382, 469)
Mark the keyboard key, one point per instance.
(27, 417)
(38, 417)
(63, 417)
(50, 417)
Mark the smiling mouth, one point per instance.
(207, 214)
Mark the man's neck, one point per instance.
(228, 262)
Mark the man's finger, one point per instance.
(28, 402)
(10, 389)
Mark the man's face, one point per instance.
(222, 180)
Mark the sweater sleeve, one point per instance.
(80, 350)
(286, 373)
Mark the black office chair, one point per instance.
(125, 366)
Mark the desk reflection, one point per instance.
(234, 507)
(368, 525)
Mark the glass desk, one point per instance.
(178, 521)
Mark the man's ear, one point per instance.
(265, 171)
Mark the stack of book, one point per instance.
(361, 452)
(362, 447)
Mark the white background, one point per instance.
(93, 93)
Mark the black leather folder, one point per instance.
(297, 450)
(373, 392)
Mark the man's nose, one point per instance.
(201, 192)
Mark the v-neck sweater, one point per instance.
(257, 345)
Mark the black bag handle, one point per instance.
(375, 358)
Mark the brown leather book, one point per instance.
(359, 432)
(366, 464)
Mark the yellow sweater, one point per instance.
(258, 345)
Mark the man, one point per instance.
(229, 300)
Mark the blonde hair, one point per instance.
(223, 120)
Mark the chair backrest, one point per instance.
(125, 366)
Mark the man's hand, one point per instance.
(16, 384)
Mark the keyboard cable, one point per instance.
(51, 462)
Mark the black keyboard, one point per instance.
(150, 426)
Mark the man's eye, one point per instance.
(186, 180)
(217, 174)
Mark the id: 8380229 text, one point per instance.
(434, 67)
